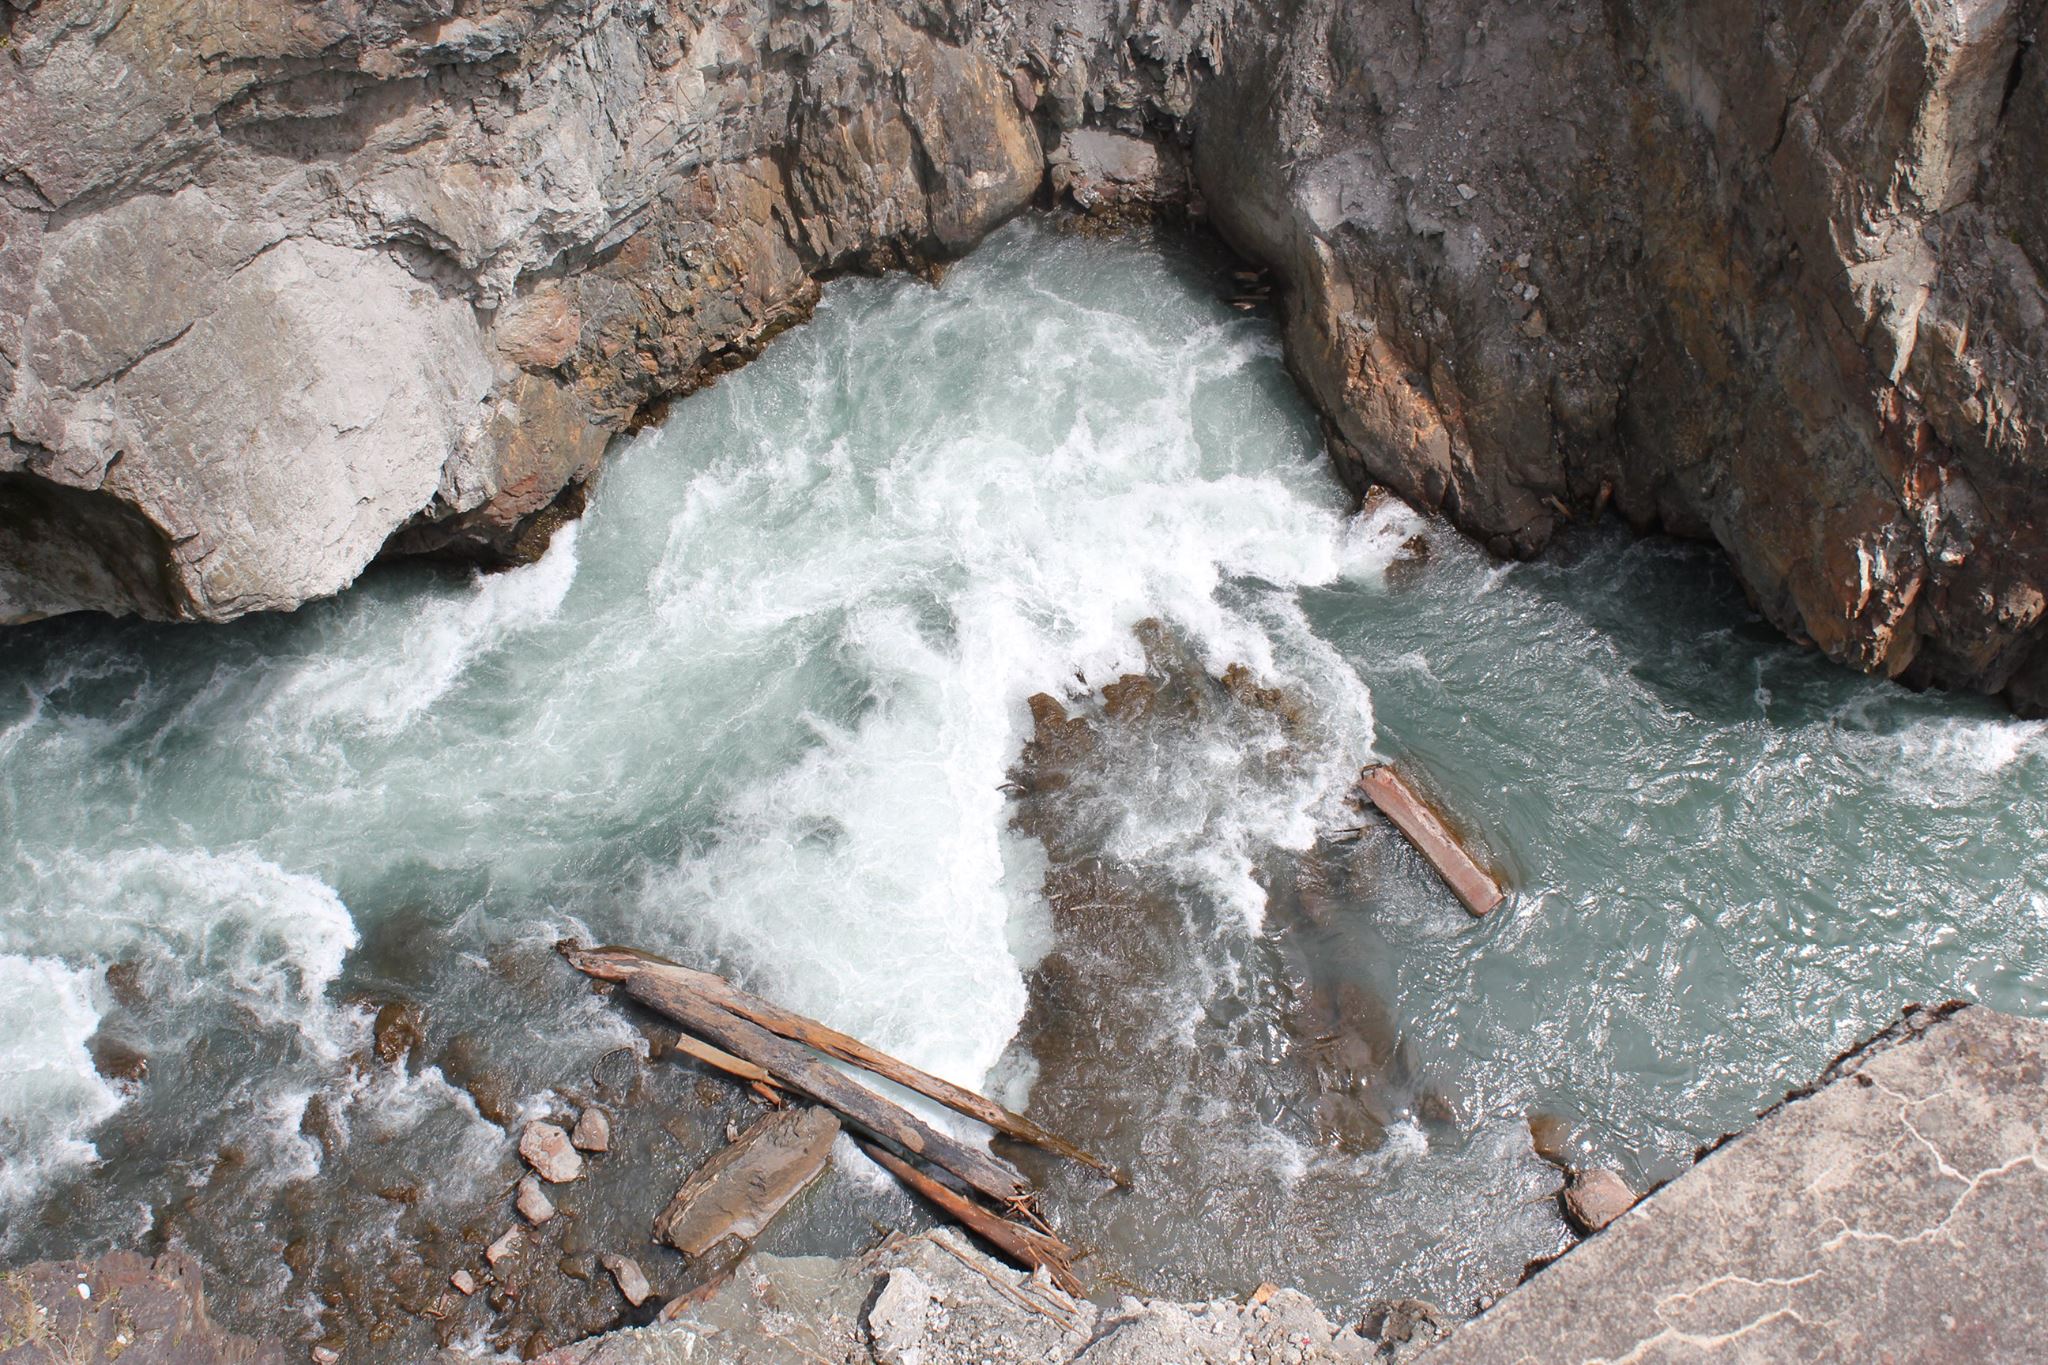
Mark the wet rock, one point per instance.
(118, 1061)
(1550, 1136)
(547, 1149)
(628, 1276)
(466, 1064)
(400, 1032)
(532, 1202)
(325, 1355)
(119, 1307)
(124, 983)
(1403, 1329)
(618, 1074)
(1596, 1197)
(593, 1131)
(507, 1245)
(464, 1282)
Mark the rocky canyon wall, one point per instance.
(290, 283)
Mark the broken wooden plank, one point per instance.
(738, 1192)
(845, 1048)
(1024, 1246)
(1469, 882)
(798, 1068)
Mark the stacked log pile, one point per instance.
(781, 1054)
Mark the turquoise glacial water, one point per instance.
(758, 711)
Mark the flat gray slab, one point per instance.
(1899, 1213)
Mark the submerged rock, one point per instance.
(119, 1307)
(399, 1032)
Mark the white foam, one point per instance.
(51, 1097)
(231, 925)
(957, 548)
(370, 681)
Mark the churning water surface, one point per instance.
(762, 711)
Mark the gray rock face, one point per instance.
(1893, 1215)
(934, 1299)
(279, 283)
(284, 286)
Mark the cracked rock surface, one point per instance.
(933, 1300)
(1894, 1214)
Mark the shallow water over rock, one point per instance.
(762, 710)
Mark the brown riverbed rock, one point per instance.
(593, 1132)
(547, 1149)
(119, 1307)
(532, 1201)
(399, 1032)
(1595, 1197)
(627, 1275)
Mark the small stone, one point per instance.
(507, 1243)
(1466, 192)
(628, 1276)
(546, 1148)
(1594, 1198)
(463, 1281)
(593, 1131)
(326, 1355)
(533, 1204)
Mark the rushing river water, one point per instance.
(763, 710)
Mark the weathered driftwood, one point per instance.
(1469, 882)
(798, 1068)
(759, 1081)
(1025, 1246)
(846, 1048)
(744, 1185)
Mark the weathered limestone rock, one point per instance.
(934, 1298)
(1893, 1214)
(316, 282)
(546, 1148)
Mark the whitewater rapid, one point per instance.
(759, 710)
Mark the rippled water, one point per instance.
(760, 710)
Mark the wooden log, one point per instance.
(1469, 882)
(1022, 1245)
(845, 1048)
(798, 1068)
(738, 1192)
(720, 1060)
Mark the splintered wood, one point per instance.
(736, 1192)
(1469, 882)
